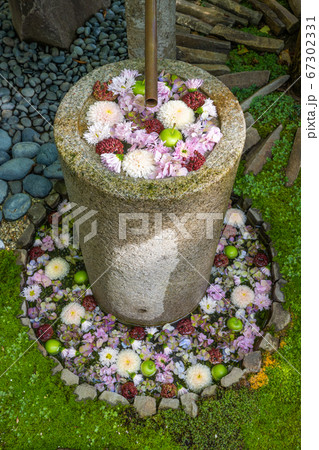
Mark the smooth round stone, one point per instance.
(65, 87)
(28, 135)
(26, 122)
(4, 157)
(4, 91)
(15, 187)
(5, 141)
(38, 169)
(48, 154)
(16, 206)
(15, 169)
(3, 191)
(25, 150)
(54, 171)
(27, 92)
(37, 186)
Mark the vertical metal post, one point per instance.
(151, 52)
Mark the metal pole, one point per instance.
(150, 52)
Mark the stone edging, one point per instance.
(146, 405)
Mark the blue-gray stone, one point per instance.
(5, 141)
(7, 106)
(25, 150)
(15, 187)
(26, 122)
(16, 206)
(78, 50)
(3, 191)
(27, 92)
(2, 247)
(16, 137)
(4, 157)
(15, 169)
(38, 169)
(37, 186)
(59, 59)
(48, 154)
(53, 171)
(28, 135)
(4, 91)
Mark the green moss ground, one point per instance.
(38, 411)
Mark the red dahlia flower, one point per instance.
(194, 100)
(109, 145)
(195, 162)
(185, 327)
(128, 390)
(216, 356)
(35, 252)
(153, 125)
(261, 259)
(101, 92)
(169, 390)
(45, 332)
(88, 303)
(138, 333)
(221, 261)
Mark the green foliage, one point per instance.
(253, 30)
(253, 61)
(242, 94)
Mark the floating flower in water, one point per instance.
(139, 164)
(242, 296)
(57, 269)
(194, 83)
(72, 314)
(235, 217)
(198, 377)
(123, 83)
(108, 356)
(112, 161)
(208, 305)
(176, 113)
(208, 109)
(128, 362)
(105, 113)
(97, 132)
(32, 293)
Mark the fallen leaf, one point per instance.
(265, 29)
(79, 61)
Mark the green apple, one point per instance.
(170, 136)
(230, 251)
(53, 346)
(235, 324)
(219, 371)
(148, 368)
(81, 277)
(139, 88)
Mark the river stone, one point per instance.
(169, 403)
(113, 398)
(27, 237)
(85, 391)
(16, 169)
(278, 295)
(5, 141)
(252, 361)
(252, 138)
(54, 171)
(3, 191)
(147, 276)
(15, 186)
(189, 404)
(4, 157)
(145, 406)
(48, 154)
(16, 206)
(269, 343)
(52, 200)
(22, 257)
(69, 378)
(58, 367)
(232, 378)
(37, 214)
(254, 217)
(210, 391)
(37, 186)
(25, 150)
(29, 135)
(280, 318)
(52, 23)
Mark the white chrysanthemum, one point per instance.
(86, 325)
(208, 305)
(112, 162)
(105, 113)
(31, 293)
(176, 113)
(151, 330)
(72, 314)
(235, 217)
(139, 164)
(108, 356)
(209, 109)
(242, 296)
(57, 269)
(198, 377)
(97, 132)
(128, 362)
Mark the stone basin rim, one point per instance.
(77, 155)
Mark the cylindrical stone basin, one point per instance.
(149, 262)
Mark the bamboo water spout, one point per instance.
(151, 52)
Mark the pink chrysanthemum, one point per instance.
(105, 113)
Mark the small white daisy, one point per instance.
(97, 132)
(72, 314)
(176, 113)
(242, 296)
(57, 269)
(208, 305)
(151, 330)
(32, 293)
(198, 377)
(128, 362)
(108, 356)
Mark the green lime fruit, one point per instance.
(139, 88)
(81, 277)
(170, 136)
(219, 371)
(230, 251)
(235, 324)
(148, 368)
(53, 346)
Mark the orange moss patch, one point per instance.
(261, 378)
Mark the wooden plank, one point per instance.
(202, 43)
(212, 15)
(255, 42)
(246, 79)
(295, 5)
(294, 162)
(214, 69)
(194, 56)
(271, 87)
(235, 8)
(180, 29)
(257, 158)
(291, 21)
(192, 23)
(270, 17)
